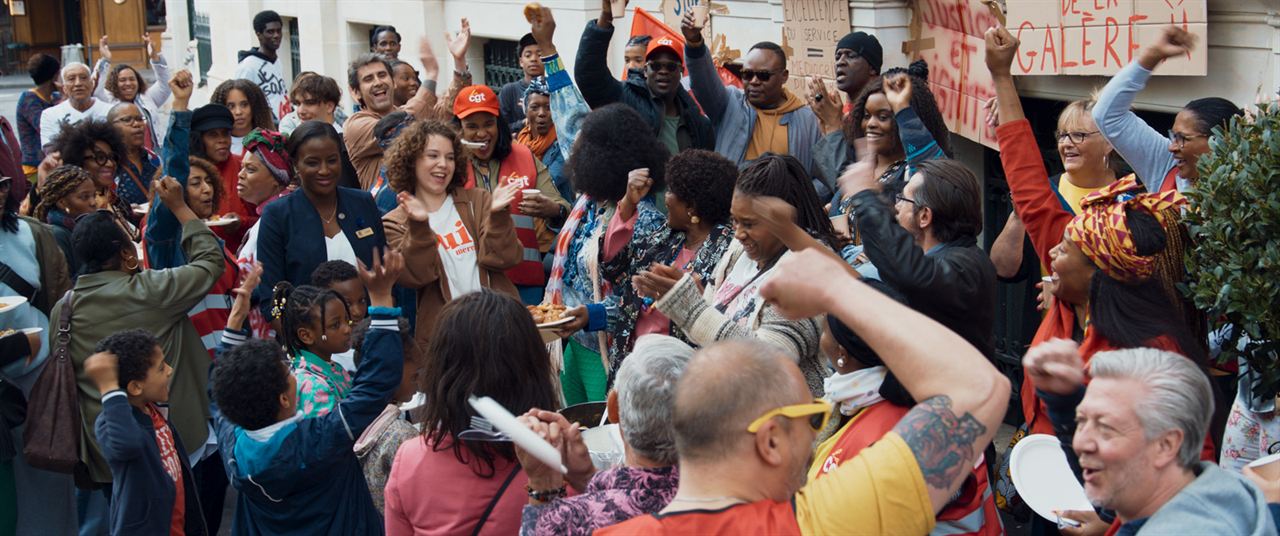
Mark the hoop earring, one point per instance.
(131, 268)
(1106, 160)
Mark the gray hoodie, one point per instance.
(1217, 502)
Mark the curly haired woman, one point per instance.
(455, 240)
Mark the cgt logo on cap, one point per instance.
(476, 96)
(666, 41)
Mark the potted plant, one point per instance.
(1233, 272)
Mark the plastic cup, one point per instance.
(700, 15)
(531, 192)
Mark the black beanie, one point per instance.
(866, 46)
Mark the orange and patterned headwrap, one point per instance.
(1101, 230)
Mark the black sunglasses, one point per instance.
(763, 76)
(665, 66)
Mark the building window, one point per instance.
(295, 54)
(501, 63)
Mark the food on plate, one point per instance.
(531, 11)
(547, 312)
(7, 332)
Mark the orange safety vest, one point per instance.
(519, 168)
(971, 512)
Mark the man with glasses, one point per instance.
(656, 92)
(925, 245)
(745, 424)
(762, 117)
(78, 105)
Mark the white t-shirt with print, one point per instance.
(458, 254)
(267, 75)
(52, 119)
(742, 307)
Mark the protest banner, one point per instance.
(948, 35)
(1098, 37)
(811, 29)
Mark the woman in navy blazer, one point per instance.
(321, 221)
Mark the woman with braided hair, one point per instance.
(66, 194)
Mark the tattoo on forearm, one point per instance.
(941, 441)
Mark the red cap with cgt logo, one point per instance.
(474, 99)
(665, 43)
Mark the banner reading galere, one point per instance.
(1098, 37)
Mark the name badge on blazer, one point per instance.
(364, 233)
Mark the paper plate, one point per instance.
(219, 223)
(503, 421)
(1043, 477)
(556, 323)
(31, 331)
(9, 303)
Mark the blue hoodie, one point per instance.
(301, 476)
(1216, 502)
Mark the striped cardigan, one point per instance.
(693, 311)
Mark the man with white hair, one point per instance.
(1139, 429)
(78, 105)
(641, 402)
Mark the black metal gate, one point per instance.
(501, 63)
(295, 50)
(204, 44)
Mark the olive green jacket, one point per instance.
(158, 301)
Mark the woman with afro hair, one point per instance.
(614, 169)
(248, 106)
(697, 233)
(96, 147)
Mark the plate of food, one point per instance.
(549, 315)
(27, 331)
(219, 221)
(9, 303)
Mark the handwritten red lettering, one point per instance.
(1109, 40)
(1133, 40)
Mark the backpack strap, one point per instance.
(16, 282)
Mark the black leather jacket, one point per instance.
(953, 283)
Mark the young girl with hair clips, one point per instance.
(314, 325)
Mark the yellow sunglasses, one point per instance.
(818, 412)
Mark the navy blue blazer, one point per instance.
(291, 241)
(142, 493)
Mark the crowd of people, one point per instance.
(779, 299)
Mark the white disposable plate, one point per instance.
(556, 323)
(503, 421)
(9, 303)
(1043, 477)
(32, 331)
(219, 223)
(142, 209)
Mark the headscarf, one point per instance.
(269, 146)
(1101, 230)
(526, 136)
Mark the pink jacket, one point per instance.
(431, 493)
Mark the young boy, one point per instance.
(341, 277)
(295, 475)
(151, 491)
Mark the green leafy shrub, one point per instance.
(1234, 268)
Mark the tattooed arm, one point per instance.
(963, 397)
